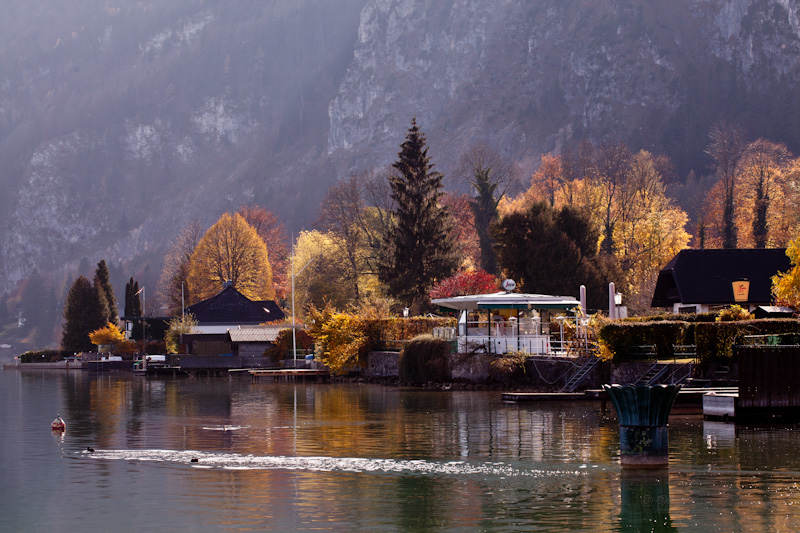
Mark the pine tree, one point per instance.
(133, 303)
(83, 313)
(419, 251)
(102, 276)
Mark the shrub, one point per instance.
(44, 356)
(284, 343)
(424, 359)
(340, 338)
(734, 312)
(343, 340)
(508, 368)
(108, 334)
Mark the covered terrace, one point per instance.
(504, 322)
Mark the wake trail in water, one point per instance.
(233, 461)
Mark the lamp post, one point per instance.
(143, 315)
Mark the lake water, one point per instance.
(364, 457)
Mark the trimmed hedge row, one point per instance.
(714, 340)
(424, 359)
(44, 356)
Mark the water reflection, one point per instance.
(350, 457)
(645, 501)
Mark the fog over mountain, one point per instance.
(121, 120)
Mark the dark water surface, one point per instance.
(363, 457)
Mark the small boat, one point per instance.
(58, 424)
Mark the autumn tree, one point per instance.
(83, 314)
(341, 217)
(108, 334)
(464, 283)
(319, 277)
(614, 190)
(786, 285)
(550, 177)
(178, 326)
(463, 234)
(725, 149)
(419, 250)
(763, 165)
(230, 250)
(273, 233)
(172, 283)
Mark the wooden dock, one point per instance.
(687, 395)
(519, 397)
(291, 374)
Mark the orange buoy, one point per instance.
(58, 424)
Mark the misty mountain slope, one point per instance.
(119, 122)
(531, 76)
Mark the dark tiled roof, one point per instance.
(705, 276)
(232, 307)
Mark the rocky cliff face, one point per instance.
(532, 76)
(120, 123)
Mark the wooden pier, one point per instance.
(291, 374)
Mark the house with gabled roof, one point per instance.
(699, 281)
(232, 326)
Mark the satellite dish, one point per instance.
(509, 285)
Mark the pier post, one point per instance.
(643, 413)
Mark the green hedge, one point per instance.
(424, 359)
(44, 356)
(714, 340)
(617, 337)
(385, 332)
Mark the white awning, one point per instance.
(507, 300)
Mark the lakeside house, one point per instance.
(505, 321)
(231, 327)
(699, 281)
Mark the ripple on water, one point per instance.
(231, 461)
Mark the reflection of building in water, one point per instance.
(719, 434)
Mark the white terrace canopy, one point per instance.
(503, 322)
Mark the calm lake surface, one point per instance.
(364, 457)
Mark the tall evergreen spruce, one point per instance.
(102, 301)
(83, 313)
(418, 247)
(133, 303)
(102, 275)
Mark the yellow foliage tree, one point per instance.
(231, 250)
(109, 334)
(786, 285)
(624, 196)
(177, 326)
(340, 337)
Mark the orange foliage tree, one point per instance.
(273, 233)
(231, 250)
